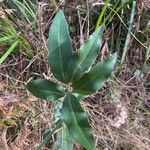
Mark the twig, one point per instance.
(4, 138)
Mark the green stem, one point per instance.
(98, 23)
(128, 34)
(127, 39)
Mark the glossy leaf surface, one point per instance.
(95, 78)
(85, 57)
(77, 122)
(59, 47)
(45, 89)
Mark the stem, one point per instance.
(79, 8)
(147, 55)
(128, 34)
(49, 135)
(98, 23)
(127, 38)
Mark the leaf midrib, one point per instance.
(60, 54)
(78, 66)
(64, 136)
(49, 91)
(89, 81)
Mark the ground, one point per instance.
(119, 112)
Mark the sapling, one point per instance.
(71, 69)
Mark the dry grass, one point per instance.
(119, 113)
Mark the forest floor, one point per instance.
(119, 112)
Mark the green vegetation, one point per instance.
(70, 68)
(74, 80)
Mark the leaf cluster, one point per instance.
(79, 71)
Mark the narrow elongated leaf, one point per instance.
(4, 38)
(60, 48)
(85, 57)
(45, 89)
(94, 79)
(77, 122)
(8, 51)
(64, 140)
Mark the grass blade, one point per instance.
(7, 53)
(6, 38)
(99, 21)
(129, 33)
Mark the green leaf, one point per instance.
(60, 47)
(79, 96)
(64, 140)
(77, 122)
(8, 51)
(4, 38)
(45, 89)
(95, 78)
(85, 57)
